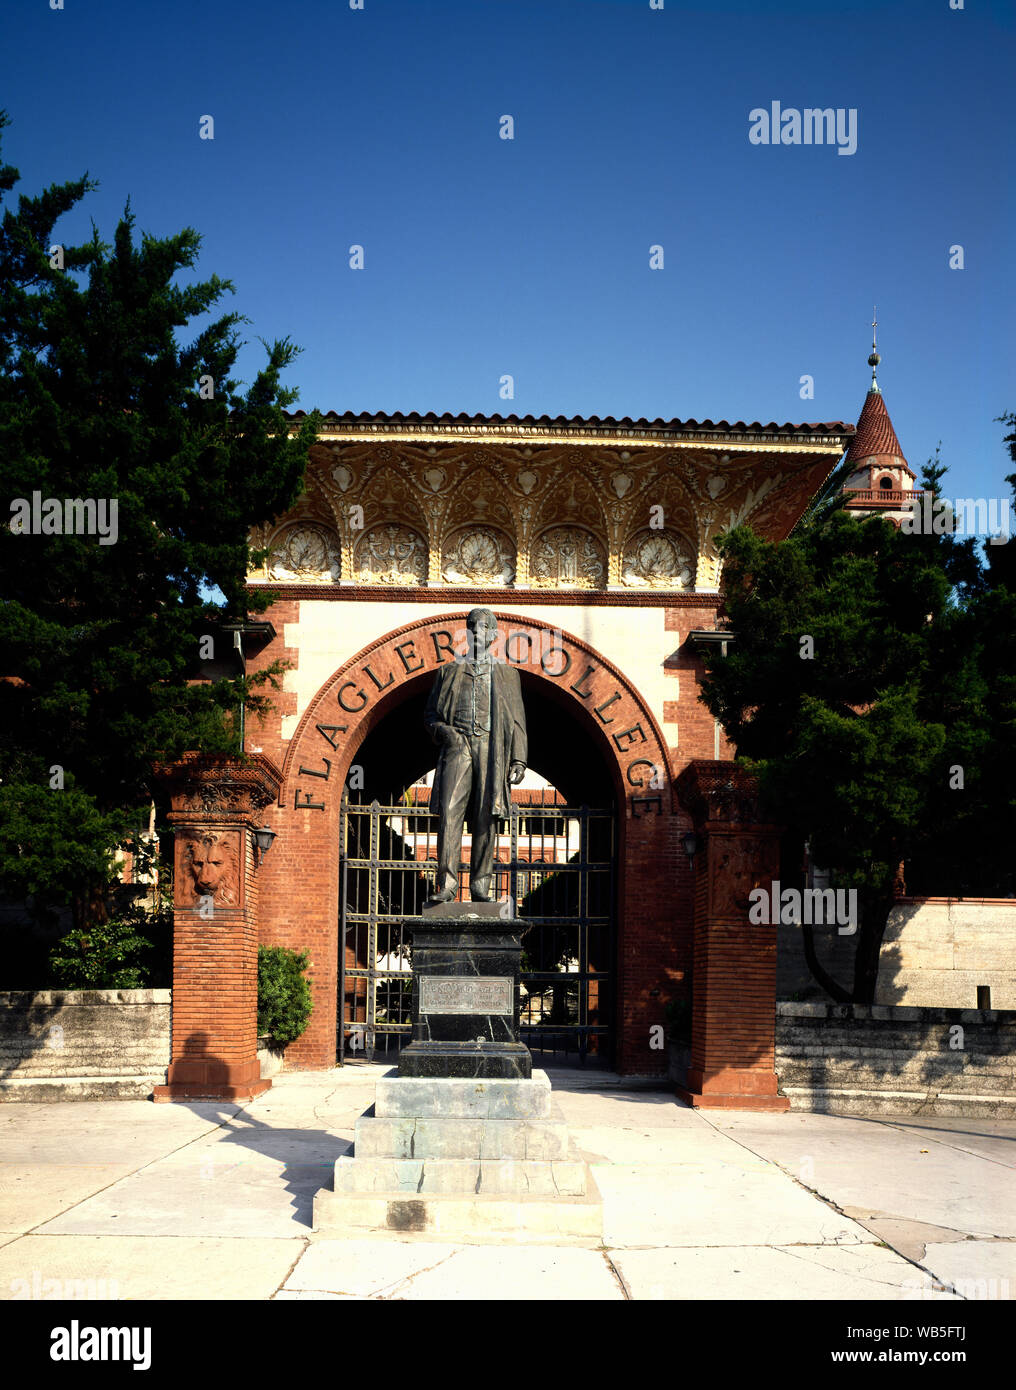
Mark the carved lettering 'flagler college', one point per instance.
(633, 843)
(559, 660)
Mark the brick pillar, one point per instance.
(734, 971)
(217, 801)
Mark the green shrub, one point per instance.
(284, 1002)
(102, 956)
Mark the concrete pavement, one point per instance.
(133, 1200)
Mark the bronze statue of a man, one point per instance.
(475, 716)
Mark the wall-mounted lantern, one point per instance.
(262, 842)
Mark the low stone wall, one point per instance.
(937, 951)
(110, 1044)
(271, 1058)
(853, 1060)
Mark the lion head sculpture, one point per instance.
(210, 863)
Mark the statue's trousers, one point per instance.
(464, 774)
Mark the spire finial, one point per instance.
(874, 359)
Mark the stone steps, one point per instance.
(465, 1159)
(482, 1217)
(38, 1089)
(407, 1097)
(461, 1176)
(476, 1139)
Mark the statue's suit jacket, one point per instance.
(508, 743)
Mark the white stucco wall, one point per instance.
(329, 634)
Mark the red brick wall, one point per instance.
(696, 724)
(267, 734)
(215, 986)
(734, 996)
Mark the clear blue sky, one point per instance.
(531, 257)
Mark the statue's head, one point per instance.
(482, 626)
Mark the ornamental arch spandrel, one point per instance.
(568, 680)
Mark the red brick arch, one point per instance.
(300, 878)
(612, 707)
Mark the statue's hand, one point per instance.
(445, 734)
(518, 771)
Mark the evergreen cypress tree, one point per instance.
(891, 736)
(100, 637)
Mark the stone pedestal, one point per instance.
(466, 1159)
(466, 995)
(465, 1142)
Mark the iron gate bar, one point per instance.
(372, 926)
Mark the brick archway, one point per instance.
(299, 893)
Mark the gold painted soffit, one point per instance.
(645, 439)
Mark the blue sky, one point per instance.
(530, 257)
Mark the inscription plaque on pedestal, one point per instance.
(451, 994)
(466, 995)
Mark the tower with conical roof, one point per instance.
(882, 483)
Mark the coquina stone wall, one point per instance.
(853, 1060)
(109, 1044)
(937, 952)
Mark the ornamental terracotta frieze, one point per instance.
(479, 555)
(390, 554)
(213, 786)
(718, 792)
(305, 552)
(568, 513)
(228, 796)
(568, 557)
(658, 560)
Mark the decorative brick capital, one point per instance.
(217, 787)
(716, 792)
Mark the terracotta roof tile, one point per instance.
(875, 434)
(592, 422)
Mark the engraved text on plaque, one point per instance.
(457, 994)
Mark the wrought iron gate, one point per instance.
(555, 862)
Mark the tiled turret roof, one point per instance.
(875, 434)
